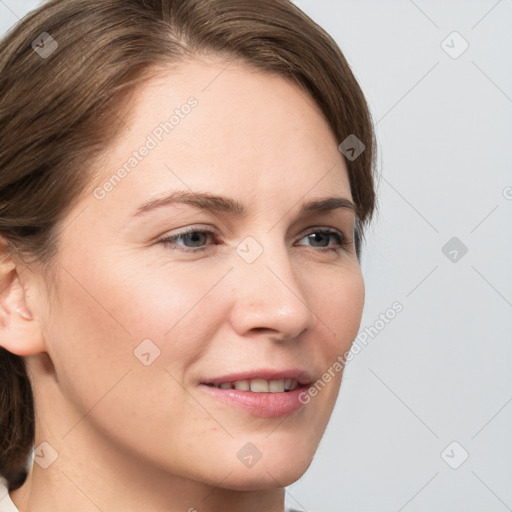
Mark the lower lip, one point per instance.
(265, 405)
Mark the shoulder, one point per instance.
(6, 504)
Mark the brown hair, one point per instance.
(60, 105)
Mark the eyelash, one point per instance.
(342, 241)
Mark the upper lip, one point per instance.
(302, 376)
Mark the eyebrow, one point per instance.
(220, 204)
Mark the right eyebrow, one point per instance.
(203, 201)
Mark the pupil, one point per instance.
(195, 237)
(317, 237)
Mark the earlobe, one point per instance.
(20, 332)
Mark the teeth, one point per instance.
(242, 385)
(261, 385)
(276, 386)
(293, 384)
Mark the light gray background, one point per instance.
(441, 370)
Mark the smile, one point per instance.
(260, 385)
(265, 393)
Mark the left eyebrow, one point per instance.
(221, 204)
(326, 205)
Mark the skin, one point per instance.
(128, 435)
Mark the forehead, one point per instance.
(212, 123)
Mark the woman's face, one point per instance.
(145, 318)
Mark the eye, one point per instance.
(321, 238)
(194, 240)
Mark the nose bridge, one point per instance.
(268, 292)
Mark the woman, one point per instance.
(184, 186)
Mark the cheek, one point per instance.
(97, 324)
(105, 315)
(339, 311)
(160, 297)
(348, 312)
(338, 300)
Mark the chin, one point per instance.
(262, 480)
(274, 471)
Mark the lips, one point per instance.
(266, 393)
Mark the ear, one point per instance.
(20, 332)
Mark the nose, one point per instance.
(269, 295)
